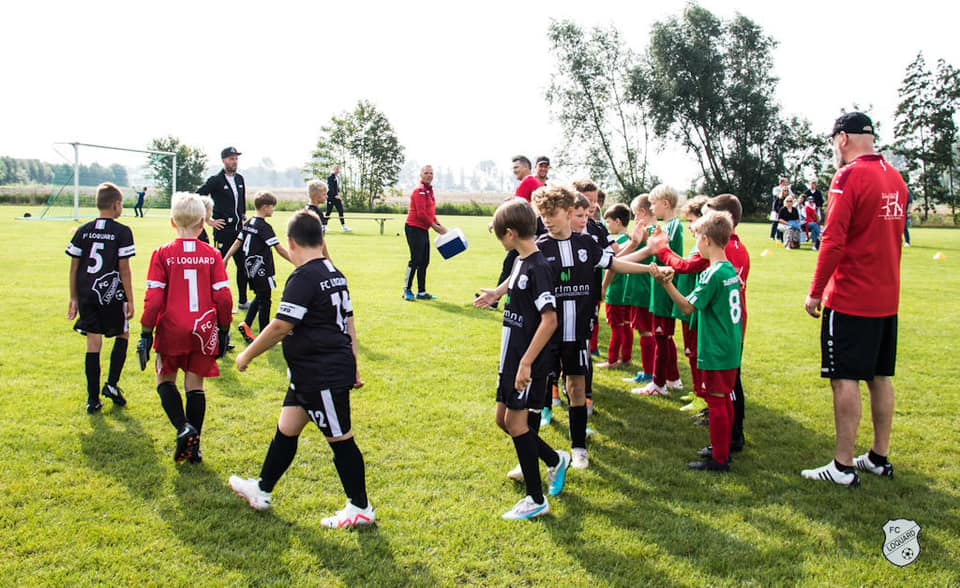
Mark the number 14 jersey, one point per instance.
(188, 297)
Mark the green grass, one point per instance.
(98, 500)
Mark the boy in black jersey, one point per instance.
(575, 258)
(529, 325)
(257, 238)
(317, 192)
(101, 292)
(315, 324)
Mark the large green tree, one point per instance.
(709, 84)
(588, 96)
(366, 147)
(191, 163)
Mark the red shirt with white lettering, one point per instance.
(188, 297)
(858, 268)
(423, 208)
(527, 187)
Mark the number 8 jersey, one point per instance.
(188, 297)
(319, 351)
(717, 299)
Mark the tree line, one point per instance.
(34, 171)
(707, 84)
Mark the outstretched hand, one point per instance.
(485, 300)
(658, 241)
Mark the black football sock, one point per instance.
(843, 468)
(117, 358)
(196, 408)
(880, 460)
(349, 463)
(738, 406)
(533, 421)
(172, 404)
(547, 454)
(252, 312)
(526, 446)
(92, 369)
(264, 317)
(578, 426)
(279, 457)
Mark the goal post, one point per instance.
(76, 167)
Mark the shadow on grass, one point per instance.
(465, 309)
(697, 519)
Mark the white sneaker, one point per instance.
(516, 474)
(581, 460)
(674, 385)
(830, 473)
(350, 517)
(650, 389)
(527, 509)
(346, 229)
(250, 491)
(557, 475)
(865, 464)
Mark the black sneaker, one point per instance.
(709, 465)
(187, 439)
(94, 407)
(114, 394)
(196, 456)
(708, 451)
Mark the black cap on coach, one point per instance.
(228, 152)
(853, 123)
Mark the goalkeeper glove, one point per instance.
(143, 348)
(224, 336)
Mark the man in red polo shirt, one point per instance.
(857, 281)
(421, 218)
(528, 185)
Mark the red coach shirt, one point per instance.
(188, 297)
(858, 269)
(423, 208)
(527, 187)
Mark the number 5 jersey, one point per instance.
(188, 297)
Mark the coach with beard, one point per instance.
(229, 212)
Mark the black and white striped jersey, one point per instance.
(100, 245)
(257, 240)
(529, 295)
(574, 261)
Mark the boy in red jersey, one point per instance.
(188, 302)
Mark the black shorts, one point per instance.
(857, 348)
(328, 409)
(532, 398)
(109, 321)
(574, 358)
(262, 286)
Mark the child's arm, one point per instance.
(126, 278)
(283, 252)
(548, 324)
(666, 279)
(270, 336)
(154, 299)
(233, 249)
(352, 330)
(617, 264)
(490, 297)
(608, 278)
(73, 309)
(695, 265)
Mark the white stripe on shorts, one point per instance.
(331, 411)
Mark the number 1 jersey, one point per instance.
(188, 297)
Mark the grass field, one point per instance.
(98, 500)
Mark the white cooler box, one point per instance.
(452, 243)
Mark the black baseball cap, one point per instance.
(228, 152)
(852, 123)
(543, 159)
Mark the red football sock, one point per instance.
(647, 345)
(616, 336)
(721, 426)
(626, 349)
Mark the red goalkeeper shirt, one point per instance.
(858, 268)
(188, 297)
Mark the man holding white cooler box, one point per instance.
(421, 218)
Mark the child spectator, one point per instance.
(257, 239)
(188, 303)
(100, 292)
(315, 325)
(811, 222)
(717, 302)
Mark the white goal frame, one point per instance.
(76, 168)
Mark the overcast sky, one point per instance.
(460, 82)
